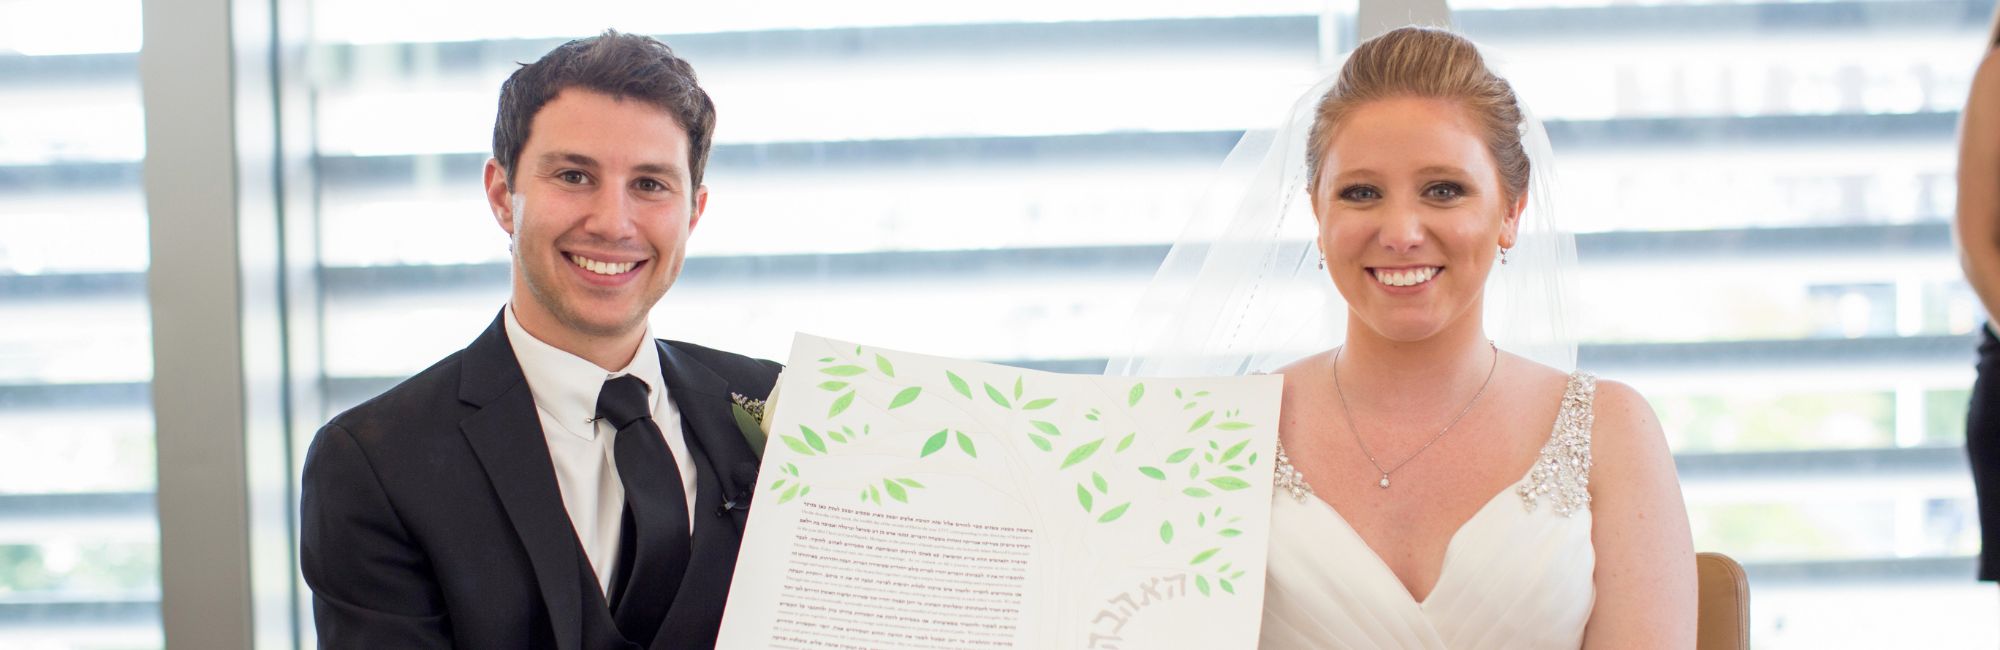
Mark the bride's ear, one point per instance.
(1510, 226)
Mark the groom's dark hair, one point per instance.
(624, 66)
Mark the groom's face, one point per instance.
(599, 211)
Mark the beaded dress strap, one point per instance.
(1562, 472)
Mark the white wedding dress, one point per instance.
(1515, 575)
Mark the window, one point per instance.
(1766, 191)
(79, 551)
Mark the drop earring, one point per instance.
(1322, 261)
(1503, 255)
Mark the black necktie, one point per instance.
(657, 507)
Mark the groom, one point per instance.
(566, 481)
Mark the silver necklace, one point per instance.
(1344, 410)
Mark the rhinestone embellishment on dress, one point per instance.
(1288, 478)
(1562, 472)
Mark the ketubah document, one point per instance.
(910, 501)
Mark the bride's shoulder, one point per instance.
(1622, 419)
(1305, 373)
(1628, 446)
(1306, 364)
(1619, 411)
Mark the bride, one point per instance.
(1435, 490)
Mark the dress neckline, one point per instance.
(1555, 463)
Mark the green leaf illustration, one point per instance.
(1041, 442)
(1127, 442)
(1225, 585)
(1154, 473)
(826, 359)
(1081, 452)
(789, 494)
(1177, 393)
(1230, 483)
(778, 484)
(1201, 421)
(875, 495)
(1046, 428)
(791, 469)
(832, 385)
(1229, 532)
(1103, 487)
(814, 440)
(1194, 470)
(1179, 456)
(965, 443)
(1200, 519)
(1114, 513)
(1166, 532)
(805, 490)
(1083, 496)
(1233, 451)
(843, 371)
(994, 394)
(910, 482)
(1138, 391)
(1017, 387)
(1195, 492)
(935, 442)
(908, 395)
(1201, 582)
(895, 491)
(840, 404)
(797, 445)
(958, 384)
(1038, 404)
(1204, 555)
(882, 364)
(835, 435)
(1234, 468)
(1233, 426)
(1253, 459)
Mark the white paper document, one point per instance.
(910, 501)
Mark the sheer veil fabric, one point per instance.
(1241, 290)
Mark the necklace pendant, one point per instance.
(1384, 482)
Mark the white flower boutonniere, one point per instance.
(753, 416)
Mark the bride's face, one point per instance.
(1411, 215)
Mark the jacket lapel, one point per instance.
(506, 435)
(725, 472)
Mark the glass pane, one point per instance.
(1765, 191)
(79, 542)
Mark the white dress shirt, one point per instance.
(565, 389)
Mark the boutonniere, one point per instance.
(753, 417)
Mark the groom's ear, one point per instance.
(499, 197)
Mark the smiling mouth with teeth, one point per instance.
(599, 267)
(1406, 278)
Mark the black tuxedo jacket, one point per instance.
(430, 516)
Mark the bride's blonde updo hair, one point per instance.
(1431, 63)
